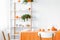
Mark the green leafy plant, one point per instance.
(25, 0)
(26, 16)
(28, 0)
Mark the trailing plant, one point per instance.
(26, 16)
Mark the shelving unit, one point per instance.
(18, 10)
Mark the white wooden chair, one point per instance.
(4, 36)
(46, 35)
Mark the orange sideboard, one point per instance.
(34, 36)
(29, 36)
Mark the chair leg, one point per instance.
(40, 37)
(3, 35)
(8, 36)
(52, 36)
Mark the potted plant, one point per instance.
(26, 17)
(28, 0)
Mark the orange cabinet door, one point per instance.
(57, 35)
(34, 36)
(29, 36)
(25, 36)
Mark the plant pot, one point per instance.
(30, 0)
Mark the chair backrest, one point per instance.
(46, 35)
(8, 36)
(4, 36)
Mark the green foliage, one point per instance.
(26, 16)
(27, 0)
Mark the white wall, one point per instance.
(47, 13)
(4, 14)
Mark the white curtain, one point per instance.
(4, 14)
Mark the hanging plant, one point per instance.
(28, 0)
(26, 16)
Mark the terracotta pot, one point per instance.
(29, 0)
(17, 16)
